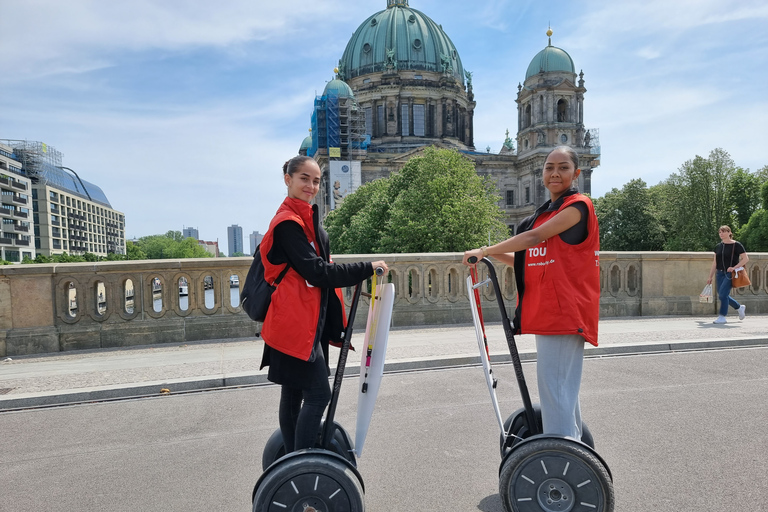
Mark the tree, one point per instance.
(628, 219)
(436, 203)
(696, 202)
(172, 245)
(754, 235)
(356, 226)
(744, 195)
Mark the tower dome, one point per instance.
(550, 59)
(305, 145)
(400, 38)
(339, 87)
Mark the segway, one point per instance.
(320, 479)
(538, 472)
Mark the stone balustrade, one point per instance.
(69, 306)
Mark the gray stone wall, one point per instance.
(71, 306)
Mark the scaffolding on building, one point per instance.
(338, 126)
(34, 155)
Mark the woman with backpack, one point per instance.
(729, 255)
(307, 310)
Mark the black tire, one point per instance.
(517, 422)
(554, 475)
(273, 450)
(341, 443)
(309, 480)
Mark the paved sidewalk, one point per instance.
(77, 376)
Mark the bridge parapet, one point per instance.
(69, 306)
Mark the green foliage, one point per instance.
(238, 253)
(436, 203)
(134, 252)
(171, 245)
(355, 227)
(754, 235)
(629, 220)
(696, 202)
(744, 195)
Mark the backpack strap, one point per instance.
(281, 275)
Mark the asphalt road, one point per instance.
(680, 431)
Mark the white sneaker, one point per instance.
(742, 312)
(720, 320)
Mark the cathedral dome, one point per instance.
(400, 38)
(339, 87)
(549, 59)
(306, 143)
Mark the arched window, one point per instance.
(562, 111)
(527, 118)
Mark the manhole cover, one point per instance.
(5, 391)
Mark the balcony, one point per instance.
(19, 200)
(22, 243)
(5, 211)
(21, 214)
(6, 241)
(19, 185)
(5, 181)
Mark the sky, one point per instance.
(183, 111)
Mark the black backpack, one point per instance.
(257, 292)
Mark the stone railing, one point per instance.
(56, 307)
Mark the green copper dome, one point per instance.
(550, 58)
(400, 38)
(306, 143)
(340, 87)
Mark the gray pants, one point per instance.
(559, 362)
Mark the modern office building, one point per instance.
(401, 86)
(70, 215)
(234, 239)
(255, 238)
(16, 229)
(190, 233)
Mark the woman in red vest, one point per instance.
(307, 310)
(557, 269)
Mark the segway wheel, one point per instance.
(341, 443)
(309, 481)
(515, 425)
(554, 475)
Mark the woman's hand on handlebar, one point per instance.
(381, 265)
(477, 253)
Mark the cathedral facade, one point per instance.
(401, 86)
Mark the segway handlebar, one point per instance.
(510, 335)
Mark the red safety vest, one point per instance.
(562, 281)
(294, 313)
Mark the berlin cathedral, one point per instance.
(400, 86)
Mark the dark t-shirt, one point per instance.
(727, 255)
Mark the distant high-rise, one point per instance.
(234, 239)
(190, 233)
(255, 240)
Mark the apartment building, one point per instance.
(15, 203)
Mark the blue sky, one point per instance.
(183, 111)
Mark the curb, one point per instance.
(217, 382)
